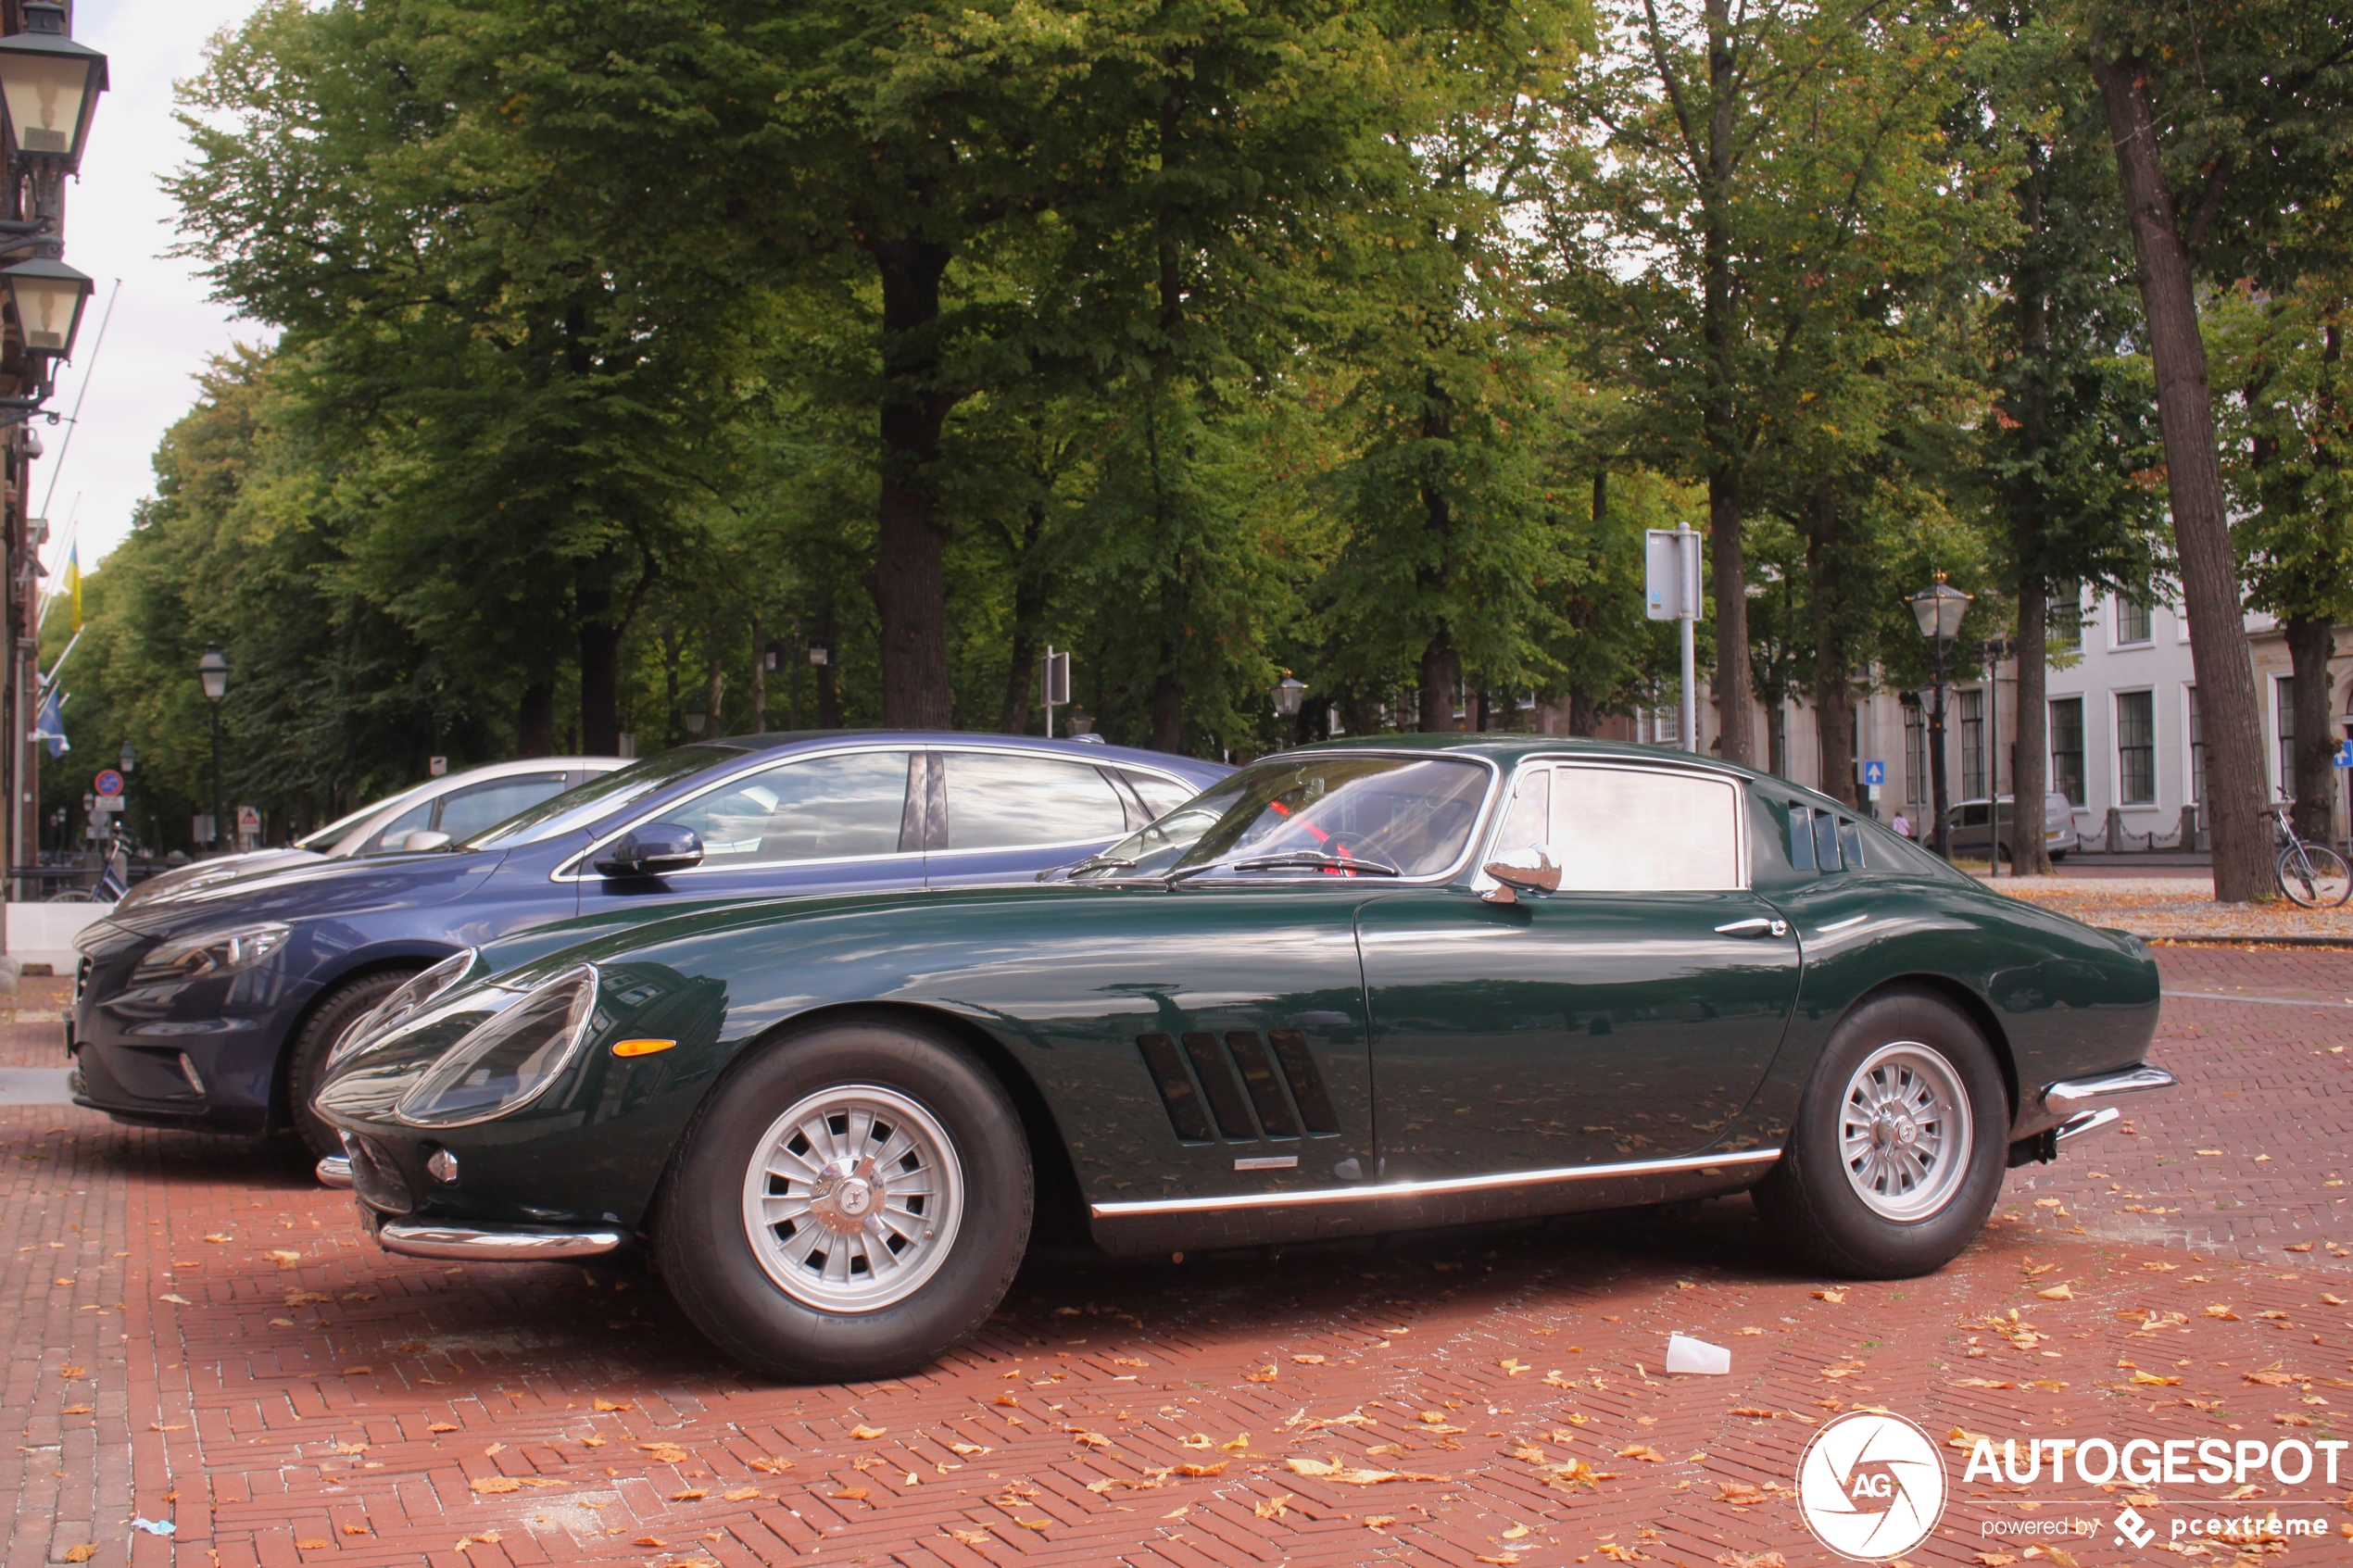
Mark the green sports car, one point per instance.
(1351, 989)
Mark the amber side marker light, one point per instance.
(641, 1047)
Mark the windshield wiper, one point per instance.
(1097, 863)
(1301, 859)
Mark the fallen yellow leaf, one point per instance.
(497, 1484)
(1832, 1297)
(741, 1493)
(867, 1433)
(1272, 1508)
(1263, 1374)
(2057, 1293)
(611, 1404)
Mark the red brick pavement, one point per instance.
(306, 1399)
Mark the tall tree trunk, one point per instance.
(1736, 727)
(2219, 650)
(1776, 733)
(908, 579)
(714, 696)
(599, 683)
(1029, 610)
(1169, 707)
(2311, 644)
(535, 720)
(1442, 677)
(2030, 753)
(1833, 691)
(758, 677)
(1584, 713)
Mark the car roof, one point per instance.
(1093, 752)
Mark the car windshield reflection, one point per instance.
(1315, 813)
(578, 806)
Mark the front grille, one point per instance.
(376, 1178)
(1238, 1084)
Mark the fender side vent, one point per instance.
(1217, 1086)
(1175, 1087)
(1258, 1077)
(1306, 1082)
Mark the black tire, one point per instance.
(343, 1007)
(1808, 1197)
(703, 1244)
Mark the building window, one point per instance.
(2063, 618)
(2198, 749)
(2067, 749)
(2284, 706)
(2132, 623)
(2135, 748)
(1972, 744)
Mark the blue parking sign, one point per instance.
(1875, 774)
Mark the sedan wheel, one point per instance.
(1899, 1144)
(851, 1202)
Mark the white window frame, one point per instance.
(2115, 638)
(2189, 750)
(2275, 765)
(2116, 748)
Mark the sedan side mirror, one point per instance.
(424, 838)
(651, 850)
(1541, 877)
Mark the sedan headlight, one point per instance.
(421, 989)
(505, 1063)
(214, 952)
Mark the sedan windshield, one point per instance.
(1311, 815)
(577, 807)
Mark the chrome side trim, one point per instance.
(1842, 925)
(460, 1244)
(2090, 1122)
(2073, 1093)
(334, 1172)
(1429, 1189)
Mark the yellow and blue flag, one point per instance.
(73, 581)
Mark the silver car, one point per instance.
(423, 817)
(1971, 822)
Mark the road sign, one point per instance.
(2343, 757)
(108, 782)
(437, 766)
(1670, 588)
(106, 803)
(1875, 774)
(250, 820)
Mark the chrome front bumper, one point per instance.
(335, 1170)
(2073, 1103)
(517, 1245)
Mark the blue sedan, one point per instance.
(216, 1010)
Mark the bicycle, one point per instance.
(2311, 875)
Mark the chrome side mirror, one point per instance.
(424, 838)
(1541, 877)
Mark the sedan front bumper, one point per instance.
(503, 1243)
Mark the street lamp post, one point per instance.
(1286, 694)
(1939, 609)
(212, 673)
(698, 714)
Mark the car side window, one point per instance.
(996, 801)
(1636, 830)
(1527, 824)
(812, 808)
(387, 838)
(465, 813)
(1160, 795)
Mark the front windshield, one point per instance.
(324, 839)
(1409, 815)
(600, 798)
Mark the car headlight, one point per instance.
(505, 1063)
(421, 989)
(214, 952)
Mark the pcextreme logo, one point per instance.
(1872, 1485)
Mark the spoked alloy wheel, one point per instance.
(854, 1198)
(2315, 877)
(1904, 1132)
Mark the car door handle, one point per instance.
(1755, 926)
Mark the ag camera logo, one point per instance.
(1872, 1485)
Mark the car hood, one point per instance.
(315, 888)
(220, 870)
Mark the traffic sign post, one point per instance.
(108, 782)
(1874, 775)
(1053, 683)
(2343, 757)
(1671, 591)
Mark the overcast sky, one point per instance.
(118, 225)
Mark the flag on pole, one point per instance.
(50, 726)
(73, 581)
